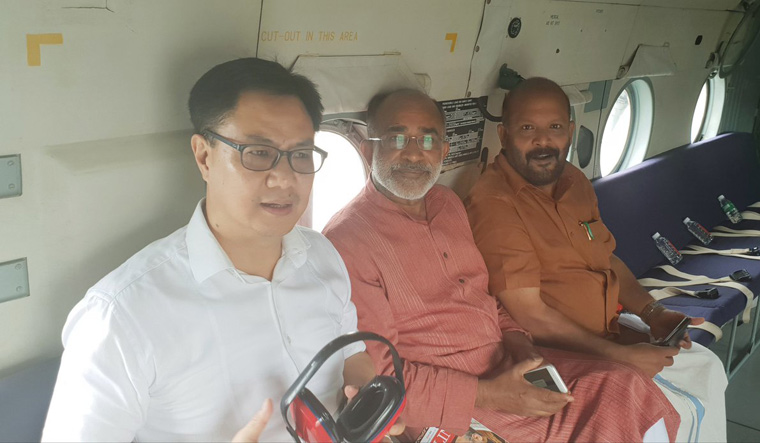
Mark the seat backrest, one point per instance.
(656, 195)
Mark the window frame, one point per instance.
(716, 98)
(641, 100)
(352, 130)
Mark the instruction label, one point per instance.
(308, 36)
(465, 125)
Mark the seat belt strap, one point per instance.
(736, 252)
(660, 294)
(691, 280)
(710, 327)
(670, 291)
(750, 215)
(722, 231)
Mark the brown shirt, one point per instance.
(529, 239)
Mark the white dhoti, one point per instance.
(696, 386)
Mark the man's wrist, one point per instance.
(612, 350)
(650, 311)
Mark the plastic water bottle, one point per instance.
(668, 250)
(698, 231)
(730, 210)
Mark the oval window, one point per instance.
(709, 109)
(627, 130)
(700, 112)
(341, 178)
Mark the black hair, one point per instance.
(216, 94)
(379, 98)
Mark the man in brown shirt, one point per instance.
(550, 257)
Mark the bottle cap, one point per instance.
(721, 197)
(656, 235)
(686, 220)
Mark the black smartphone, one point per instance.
(676, 335)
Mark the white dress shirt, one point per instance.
(177, 345)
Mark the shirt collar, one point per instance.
(518, 183)
(294, 246)
(207, 257)
(204, 252)
(433, 201)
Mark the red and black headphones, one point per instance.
(366, 418)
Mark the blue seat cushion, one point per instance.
(731, 302)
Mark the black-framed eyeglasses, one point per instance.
(426, 142)
(258, 157)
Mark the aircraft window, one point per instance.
(627, 130)
(340, 179)
(709, 109)
(700, 111)
(572, 142)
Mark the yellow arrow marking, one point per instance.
(33, 42)
(453, 37)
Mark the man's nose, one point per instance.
(412, 151)
(541, 137)
(282, 175)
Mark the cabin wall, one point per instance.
(740, 112)
(103, 132)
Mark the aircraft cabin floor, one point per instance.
(743, 393)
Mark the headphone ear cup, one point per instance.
(312, 421)
(373, 410)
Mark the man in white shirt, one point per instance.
(189, 337)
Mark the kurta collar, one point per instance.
(432, 201)
(207, 257)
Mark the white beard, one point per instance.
(408, 189)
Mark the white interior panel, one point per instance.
(416, 30)
(346, 84)
(569, 42)
(675, 99)
(693, 4)
(654, 26)
(101, 126)
(119, 73)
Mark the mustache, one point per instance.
(544, 150)
(411, 167)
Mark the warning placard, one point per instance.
(464, 129)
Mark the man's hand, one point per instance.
(649, 358)
(251, 432)
(666, 321)
(518, 348)
(509, 392)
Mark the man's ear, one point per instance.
(571, 127)
(201, 153)
(502, 130)
(445, 149)
(366, 149)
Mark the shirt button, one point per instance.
(289, 340)
(445, 255)
(461, 280)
